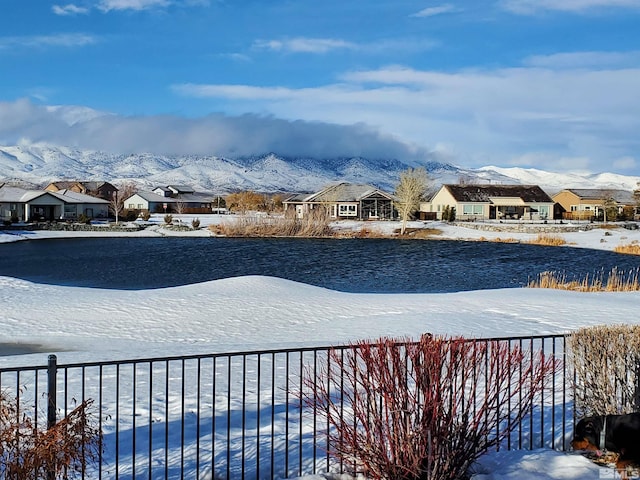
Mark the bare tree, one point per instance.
(116, 203)
(411, 190)
(609, 206)
(636, 197)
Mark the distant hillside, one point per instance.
(40, 164)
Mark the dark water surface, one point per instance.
(349, 265)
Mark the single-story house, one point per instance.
(345, 201)
(18, 204)
(477, 202)
(170, 199)
(102, 190)
(589, 203)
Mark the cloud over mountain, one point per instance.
(217, 134)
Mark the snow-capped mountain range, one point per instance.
(39, 164)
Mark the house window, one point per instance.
(347, 210)
(131, 206)
(70, 211)
(543, 211)
(472, 209)
(140, 206)
(574, 208)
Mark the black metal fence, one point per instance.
(232, 415)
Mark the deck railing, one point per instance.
(232, 415)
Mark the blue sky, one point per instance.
(549, 84)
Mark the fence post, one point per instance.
(52, 390)
(52, 371)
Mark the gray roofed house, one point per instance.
(171, 199)
(345, 201)
(489, 201)
(41, 205)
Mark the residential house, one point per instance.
(478, 202)
(102, 190)
(589, 203)
(18, 204)
(170, 199)
(345, 201)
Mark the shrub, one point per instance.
(14, 218)
(195, 223)
(168, 219)
(426, 409)
(28, 452)
(82, 218)
(6, 223)
(145, 215)
(607, 369)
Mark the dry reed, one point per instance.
(614, 281)
(629, 249)
(548, 240)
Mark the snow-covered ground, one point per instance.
(81, 324)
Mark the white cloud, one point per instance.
(304, 45)
(583, 117)
(324, 45)
(39, 41)
(109, 5)
(530, 7)
(433, 11)
(69, 9)
(595, 59)
(214, 134)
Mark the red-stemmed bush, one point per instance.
(423, 410)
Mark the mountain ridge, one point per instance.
(40, 164)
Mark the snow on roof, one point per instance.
(345, 192)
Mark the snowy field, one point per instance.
(247, 313)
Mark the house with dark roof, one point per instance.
(590, 203)
(102, 190)
(170, 199)
(344, 201)
(18, 204)
(486, 202)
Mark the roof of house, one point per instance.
(152, 197)
(181, 188)
(69, 196)
(91, 186)
(341, 192)
(483, 193)
(20, 195)
(620, 196)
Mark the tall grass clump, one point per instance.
(548, 240)
(312, 225)
(629, 249)
(613, 281)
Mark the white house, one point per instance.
(18, 204)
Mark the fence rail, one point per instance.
(232, 415)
